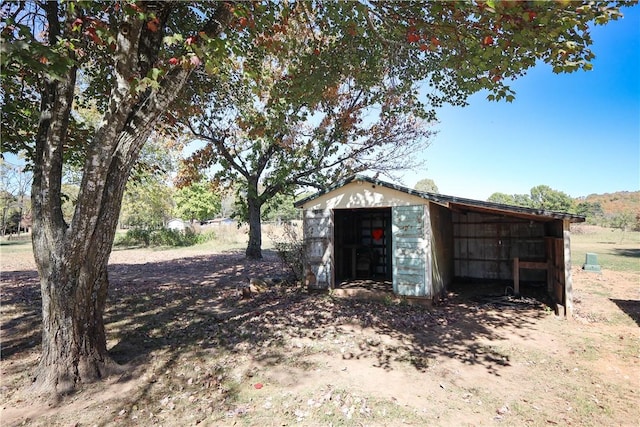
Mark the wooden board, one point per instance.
(318, 235)
(409, 251)
(485, 245)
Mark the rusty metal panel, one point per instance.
(460, 249)
(460, 268)
(485, 245)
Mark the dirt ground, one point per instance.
(196, 353)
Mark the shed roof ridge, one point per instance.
(443, 198)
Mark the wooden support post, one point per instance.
(568, 284)
(516, 276)
(550, 251)
(533, 265)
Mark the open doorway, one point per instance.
(362, 244)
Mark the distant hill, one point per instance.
(615, 203)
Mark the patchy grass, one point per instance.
(616, 250)
(8, 247)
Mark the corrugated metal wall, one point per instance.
(485, 245)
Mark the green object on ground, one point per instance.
(591, 262)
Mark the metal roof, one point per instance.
(455, 203)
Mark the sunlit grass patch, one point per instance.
(616, 250)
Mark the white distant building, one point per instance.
(176, 224)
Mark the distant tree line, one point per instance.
(627, 217)
(152, 205)
(545, 197)
(540, 197)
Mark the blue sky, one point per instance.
(578, 133)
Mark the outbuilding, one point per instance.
(366, 229)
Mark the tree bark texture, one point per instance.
(254, 206)
(72, 258)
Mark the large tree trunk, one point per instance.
(72, 258)
(73, 336)
(254, 206)
(74, 285)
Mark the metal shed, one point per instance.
(363, 228)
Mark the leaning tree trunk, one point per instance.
(254, 205)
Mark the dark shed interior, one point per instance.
(487, 243)
(362, 244)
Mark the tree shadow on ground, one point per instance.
(630, 307)
(15, 241)
(192, 306)
(195, 302)
(628, 252)
(21, 312)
